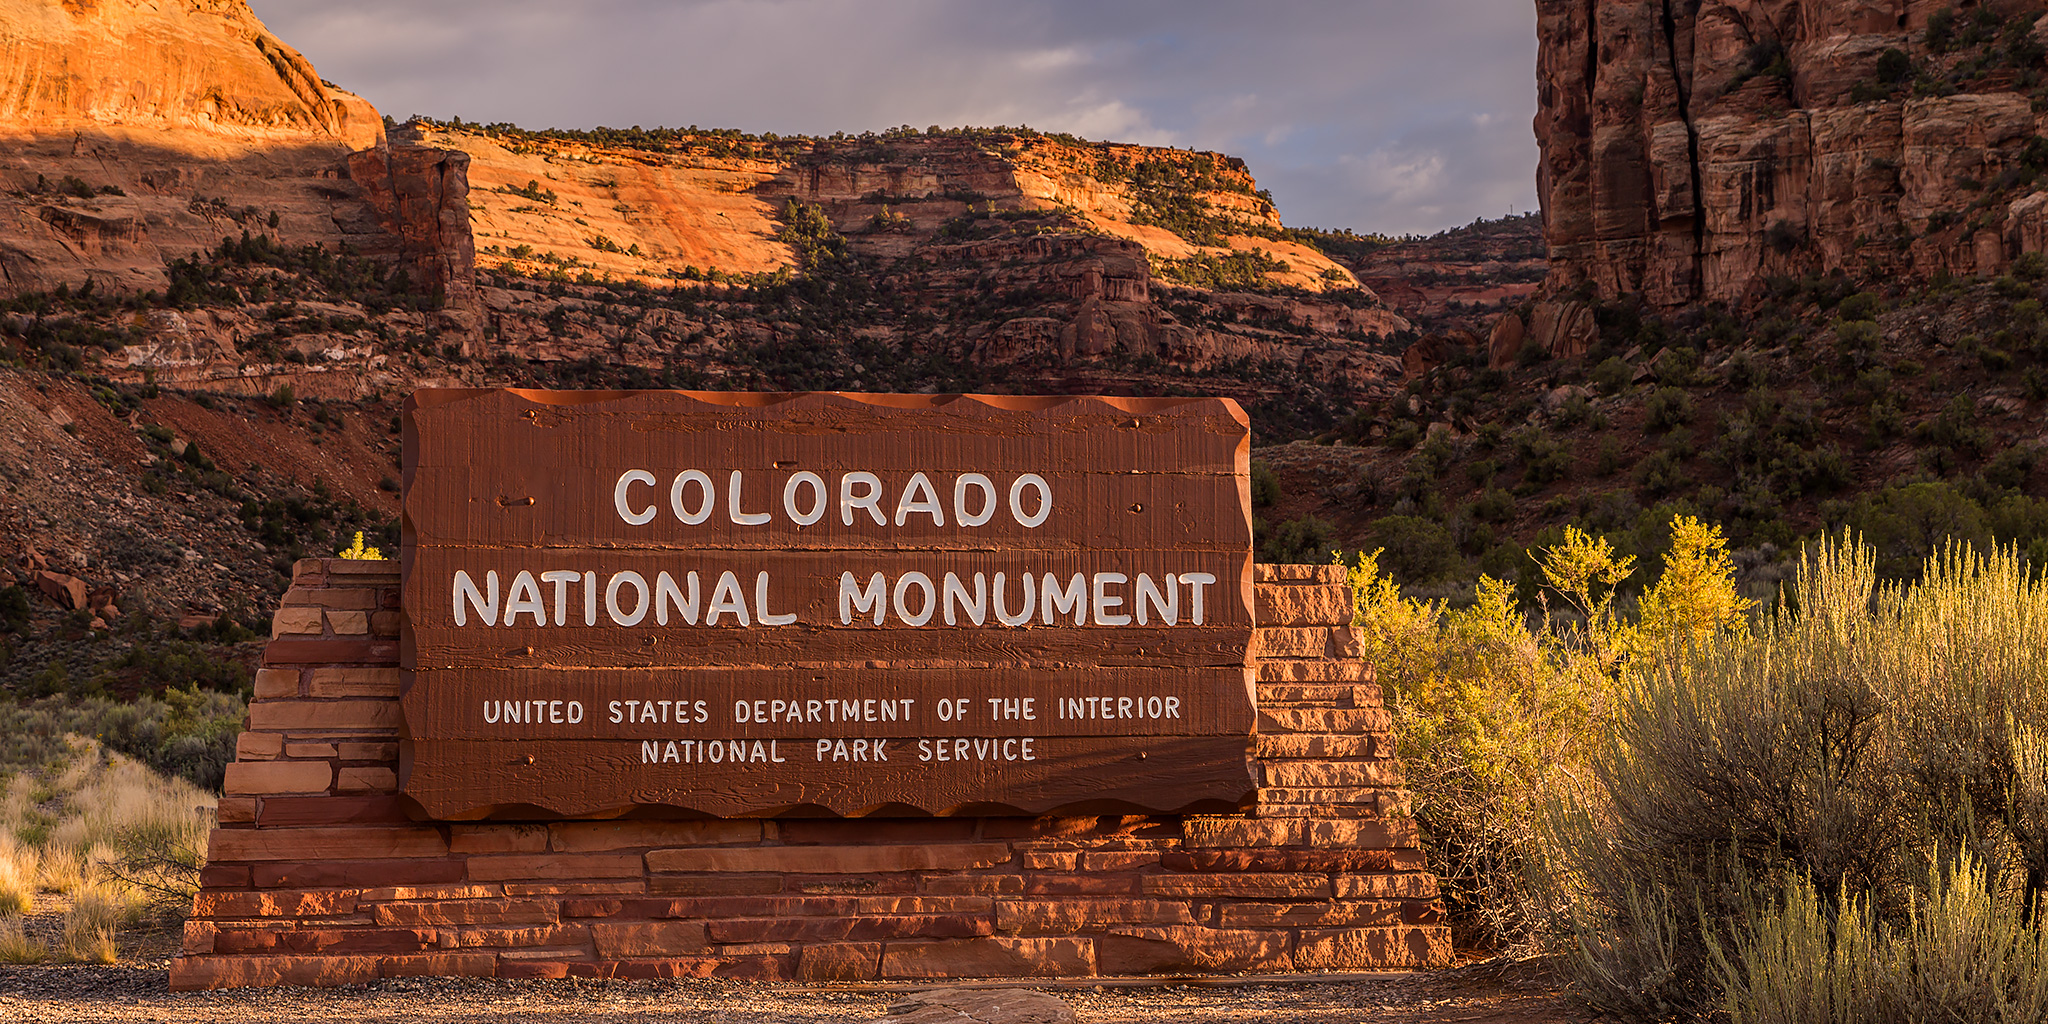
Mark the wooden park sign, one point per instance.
(724, 604)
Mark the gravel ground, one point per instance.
(1476, 994)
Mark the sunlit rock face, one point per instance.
(1692, 151)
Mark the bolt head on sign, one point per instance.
(738, 604)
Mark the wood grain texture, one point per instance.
(805, 647)
(1080, 775)
(671, 703)
(526, 482)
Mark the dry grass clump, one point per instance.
(17, 878)
(16, 947)
(95, 915)
(123, 842)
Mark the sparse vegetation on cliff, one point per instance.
(1239, 271)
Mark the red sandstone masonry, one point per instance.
(319, 876)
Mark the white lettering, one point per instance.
(727, 597)
(675, 497)
(1197, 580)
(761, 612)
(1104, 601)
(732, 504)
(988, 499)
(1166, 602)
(1037, 483)
(466, 587)
(666, 592)
(817, 485)
(956, 596)
(628, 479)
(524, 599)
(871, 500)
(918, 496)
(561, 578)
(1072, 599)
(640, 601)
(1030, 603)
(852, 597)
(931, 598)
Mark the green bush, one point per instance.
(1304, 540)
(1612, 375)
(1858, 335)
(1678, 366)
(1493, 714)
(15, 610)
(1403, 435)
(1415, 550)
(1905, 524)
(1265, 486)
(1964, 953)
(1662, 474)
(1667, 408)
(1862, 305)
(188, 733)
(1956, 428)
(1544, 458)
(1494, 506)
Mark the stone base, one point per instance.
(317, 875)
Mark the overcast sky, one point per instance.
(1376, 115)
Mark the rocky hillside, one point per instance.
(1460, 278)
(1695, 151)
(219, 275)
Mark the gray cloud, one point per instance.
(1378, 115)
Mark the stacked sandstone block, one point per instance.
(1325, 744)
(317, 874)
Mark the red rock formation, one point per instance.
(1692, 151)
(1504, 343)
(1562, 330)
(137, 132)
(195, 65)
(421, 199)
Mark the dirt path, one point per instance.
(1476, 994)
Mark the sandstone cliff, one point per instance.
(1043, 251)
(133, 133)
(1691, 151)
(707, 201)
(204, 65)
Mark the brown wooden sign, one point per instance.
(821, 603)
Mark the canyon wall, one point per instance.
(1691, 151)
(700, 200)
(1045, 250)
